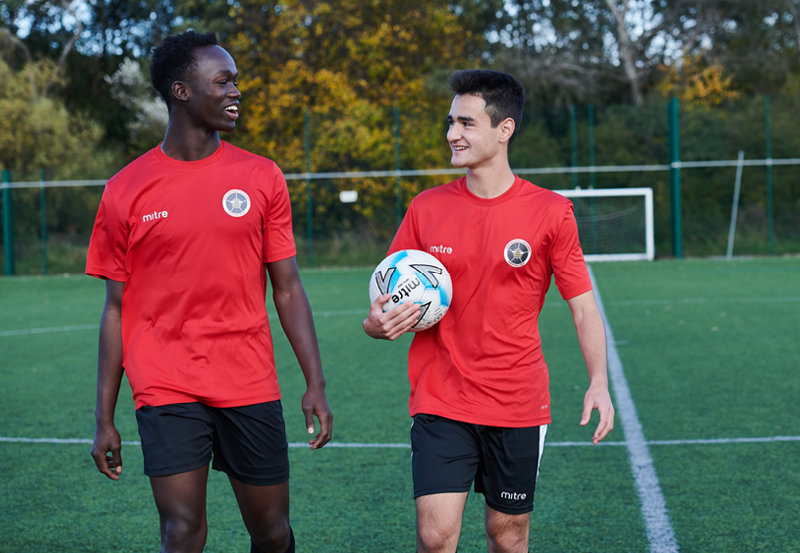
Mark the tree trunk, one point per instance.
(627, 52)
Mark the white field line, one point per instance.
(273, 316)
(788, 299)
(654, 507)
(348, 312)
(356, 445)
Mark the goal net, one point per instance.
(615, 224)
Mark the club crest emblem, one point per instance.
(236, 202)
(518, 252)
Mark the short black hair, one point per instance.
(175, 59)
(504, 95)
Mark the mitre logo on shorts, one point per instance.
(236, 202)
(517, 253)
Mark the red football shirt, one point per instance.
(483, 362)
(190, 240)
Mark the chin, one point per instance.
(456, 162)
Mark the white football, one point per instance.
(413, 275)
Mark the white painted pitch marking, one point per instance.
(48, 329)
(788, 299)
(356, 445)
(272, 316)
(654, 507)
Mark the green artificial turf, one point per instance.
(688, 381)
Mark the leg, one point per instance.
(439, 521)
(181, 502)
(265, 511)
(507, 533)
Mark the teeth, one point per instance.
(232, 108)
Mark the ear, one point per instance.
(506, 129)
(180, 91)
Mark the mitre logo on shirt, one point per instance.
(154, 215)
(236, 203)
(517, 252)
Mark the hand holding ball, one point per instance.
(416, 276)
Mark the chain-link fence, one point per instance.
(389, 157)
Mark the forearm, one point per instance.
(109, 361)
(592, 339)
(294, 312)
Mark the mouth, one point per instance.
(233, 111)
(458, 148)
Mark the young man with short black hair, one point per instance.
(183, 237)
(479, 382)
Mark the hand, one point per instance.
(107, 440)
(315, 403)
(597, 397)
(392, 324)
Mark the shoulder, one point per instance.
(132, 172)
(251, 160)
(544, 196)
(439, 194)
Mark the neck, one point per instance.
(490, 180)
(185, 142)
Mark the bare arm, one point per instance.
(297, 321)
(592, 338)
(109, 377)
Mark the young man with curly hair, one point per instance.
(479, 382)
(185, 237)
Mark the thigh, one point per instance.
(507, 533)
(250, 444)
(265, 510)
(176, 438)
(181, 503)
(510, 467)
(444, 455)
(439, 521)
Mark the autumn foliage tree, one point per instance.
(348, 64)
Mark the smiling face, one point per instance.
(473, 141)
(211, 97)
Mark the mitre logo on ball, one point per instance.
(417, 276)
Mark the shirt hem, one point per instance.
(99, 272)
(487, 421)
(220, 404)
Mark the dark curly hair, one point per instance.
(503, 94)
(175, 59)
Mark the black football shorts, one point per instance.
(248, 443)
(448, 456)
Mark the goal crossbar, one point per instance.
(647, 194)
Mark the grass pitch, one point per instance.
(709, 350)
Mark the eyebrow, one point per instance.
(461, 119)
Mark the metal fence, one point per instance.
(687, 155)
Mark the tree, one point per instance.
(348, 64)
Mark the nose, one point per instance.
(234, 93)
(453, 134)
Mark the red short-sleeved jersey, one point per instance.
(483, 362)
(190, 240)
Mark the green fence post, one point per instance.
(592, 200)
(675, 177)
(573, 125)
(770, 231)
(43, 215)
(591, 146)
(309, 207)
(399, 214)
(8, 225)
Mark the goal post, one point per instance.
(614, 224)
